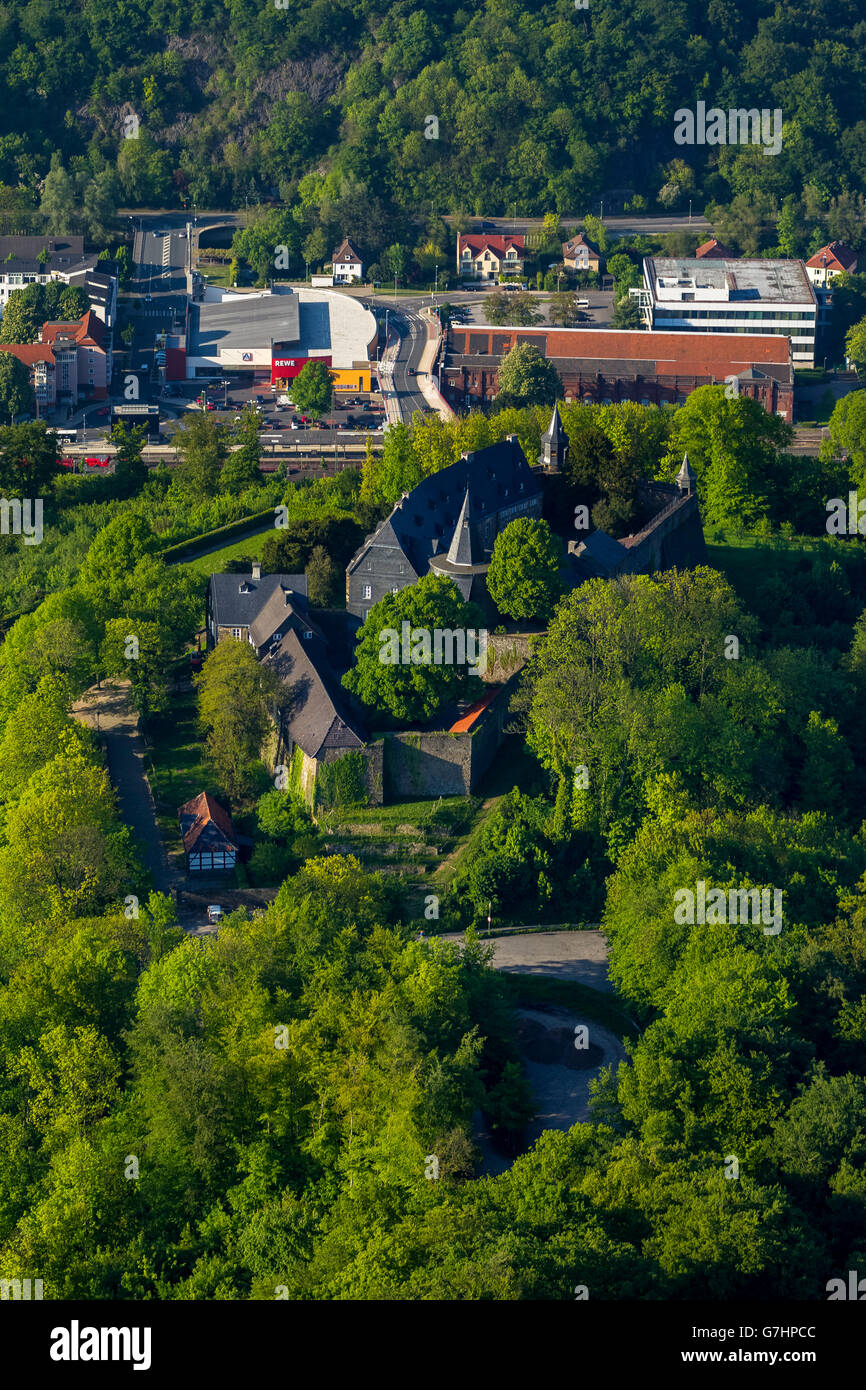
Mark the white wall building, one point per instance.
(739, 296)
(347, 264)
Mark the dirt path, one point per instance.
(108, 710)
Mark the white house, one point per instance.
(347, 264)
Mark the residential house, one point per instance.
(713, 250)
(579, 254)
(41, 365)
(256, 608)
(315, 715)
(446, 525)
(88, 334)
(830, 261)
(486, 257)
(210, 841)
(346, 262)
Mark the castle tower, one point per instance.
(554, 445)
(460, 549)
(686, 478)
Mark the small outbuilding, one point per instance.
(210, 841)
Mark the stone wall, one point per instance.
(437, 763)
(507, 653)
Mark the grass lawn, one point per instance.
(215, 562)
(175, 766)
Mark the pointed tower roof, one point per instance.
(554, 432)
(686, 477)
(460, 550)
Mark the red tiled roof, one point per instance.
(87, 331)
(834, 256)
(28, 353)
(713, 250)
(483, 242)
(465, 722)
(701, 354)
(206, 811)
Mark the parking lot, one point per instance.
(227, 398)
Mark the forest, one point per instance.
(253, 1117)
(324, 108)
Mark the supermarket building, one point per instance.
(273, 335)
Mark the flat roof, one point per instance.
(245, 321)
(776, 282)
(303, 320)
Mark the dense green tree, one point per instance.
(324, 578)
(312, 389)
(525, 377)
(235, 694)
(204, 450)
(16, 393)
(524, 579)
(403, 678)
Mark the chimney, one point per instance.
(257, 569)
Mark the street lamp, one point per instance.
(690, 212)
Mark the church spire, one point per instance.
(554, 445)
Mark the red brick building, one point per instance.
(604, 367)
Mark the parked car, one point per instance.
(214, 913)
(260, 400)
(295, 425)
(196, 660)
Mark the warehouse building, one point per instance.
(604, 368)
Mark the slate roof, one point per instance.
(283, 609)
(316, 713)
(231, 608)
(66, 253)
(204, 824)
(423, 522)
(600, 554)
(555, 432)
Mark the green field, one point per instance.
(215, 562)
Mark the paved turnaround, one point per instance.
(563, 955)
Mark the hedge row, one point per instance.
(234, 530)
